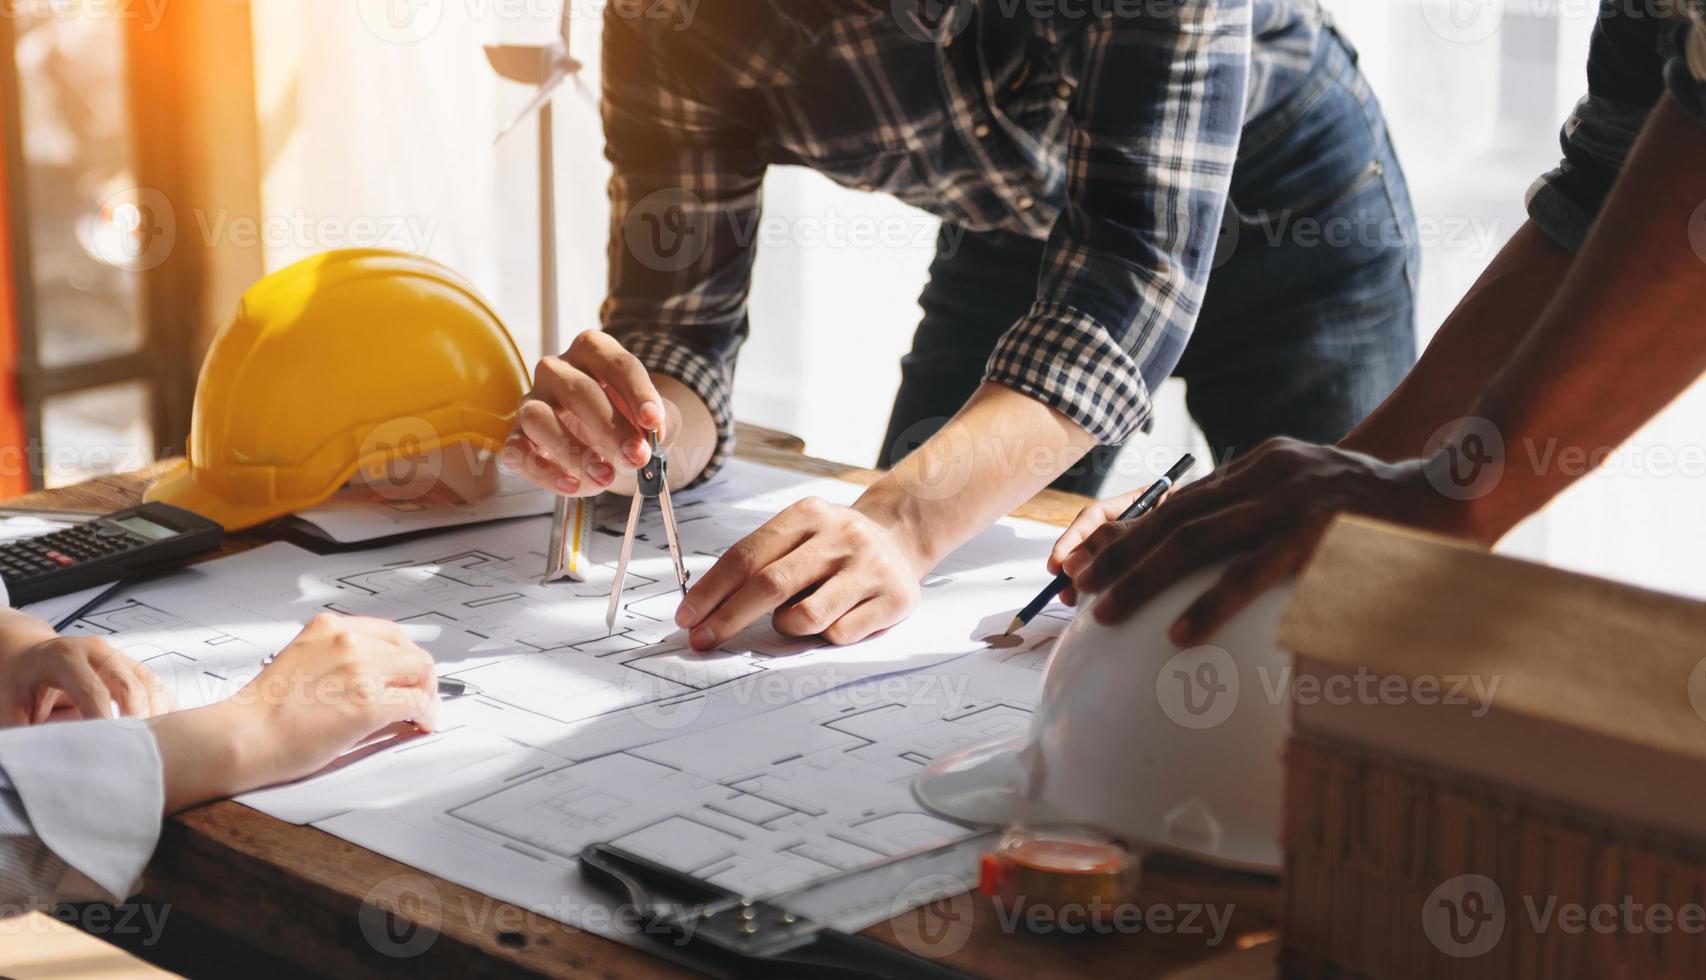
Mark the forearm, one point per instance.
(996, 453)
(1621, 341)
(208, 754)
(1488, 326)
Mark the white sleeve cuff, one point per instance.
(93, 793)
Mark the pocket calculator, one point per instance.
(105, 549)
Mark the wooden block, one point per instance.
(34, 946)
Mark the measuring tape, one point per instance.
(1059, 866)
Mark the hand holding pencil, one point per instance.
(1145, 502)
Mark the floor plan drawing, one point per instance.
(760, 805)
(771, 762)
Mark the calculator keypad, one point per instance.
(62, 549)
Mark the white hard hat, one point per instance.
(1163, 748)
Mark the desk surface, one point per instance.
(297, 892)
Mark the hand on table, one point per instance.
(586, 419)
(1271, 507)
(78, 676)
(820, 568)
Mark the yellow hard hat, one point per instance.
(339, 363)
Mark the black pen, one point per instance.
(1139, 507)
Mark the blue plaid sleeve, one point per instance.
(1156, 121)
(685, 196)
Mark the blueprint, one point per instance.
(767, 764)
(357, 513)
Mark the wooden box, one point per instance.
(1497, 769)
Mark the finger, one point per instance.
(116, 671)
(635, 395)
(1069, 596)
(767, 590)
(522, 457)
(160, 700)
(554, 445)
(873, 615)
(745, 559)
(415, 705)
(1127, 585)
(1244, 480)
(1091, 517)
(586, 410)
(1187, 547)
(1242, 582)
(78, 681)
(412, 666)
(47, 701)
(831, 600)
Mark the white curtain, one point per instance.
(375, 129)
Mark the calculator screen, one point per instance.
(146, 528)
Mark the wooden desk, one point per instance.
(297, 892)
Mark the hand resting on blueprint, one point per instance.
(341, 680)
(47, 676)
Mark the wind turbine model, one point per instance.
(548, 67)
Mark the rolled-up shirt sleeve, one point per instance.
(1632, 61)
(80, 812)
(685, 196)
(1156, 121)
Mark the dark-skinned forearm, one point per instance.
(1623, 337)
(1490, 322)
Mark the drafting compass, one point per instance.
(650, 481)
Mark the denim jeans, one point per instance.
(1309, 318)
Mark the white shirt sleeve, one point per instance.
(80, 812)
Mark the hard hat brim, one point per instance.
(983, 784)
(178, 487)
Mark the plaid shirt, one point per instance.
(1110, 129)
